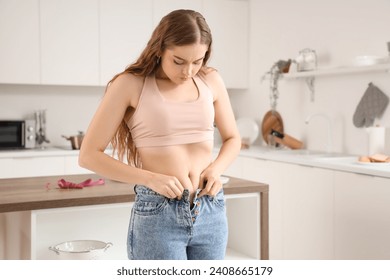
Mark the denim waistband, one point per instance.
(140, 189)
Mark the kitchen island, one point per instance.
(38, 214)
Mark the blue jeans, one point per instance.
(172, 229)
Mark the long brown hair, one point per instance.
(178, 28)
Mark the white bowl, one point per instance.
(249, 129)
(80, 249)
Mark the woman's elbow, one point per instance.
(85, 158)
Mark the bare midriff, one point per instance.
(186, 162)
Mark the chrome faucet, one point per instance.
(329, 140)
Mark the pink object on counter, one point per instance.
(63, 184)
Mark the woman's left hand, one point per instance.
(210, 182)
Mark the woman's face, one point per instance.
(181, 63)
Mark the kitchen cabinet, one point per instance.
(307, 214)
(69, 33)
(19, 37)
(71, 166)
(163, 7)
(320, 213)
(125, 28)
(229, 24)
(269, 172)
(362, 215)
(19, 167)
(35, 166)
(88, 42)
(260, 170)
(301, 216)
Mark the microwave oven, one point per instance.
(17, 134)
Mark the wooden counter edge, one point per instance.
(234, 186)
(52, 204)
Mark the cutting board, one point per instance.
(271, 120)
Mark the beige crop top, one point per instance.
(160, 122)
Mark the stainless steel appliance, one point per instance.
(17, 134)
(40, 121)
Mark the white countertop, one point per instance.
(335, 161)
(46, 152)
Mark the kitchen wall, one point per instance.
(338, 31)
(69, 108)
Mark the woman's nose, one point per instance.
(187, 70)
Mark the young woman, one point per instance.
(160, 113)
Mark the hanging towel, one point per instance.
(371, 106)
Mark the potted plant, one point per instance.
(274, 74)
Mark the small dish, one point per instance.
(248, 128)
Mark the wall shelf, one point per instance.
(339, 71)
(310, 76)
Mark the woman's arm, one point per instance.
(123, 93)
(231, 141)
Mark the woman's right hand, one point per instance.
(168, 186)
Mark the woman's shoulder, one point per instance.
(213, 80)
(128, 80)
(127, 86)
(210, 76)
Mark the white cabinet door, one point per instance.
(307, 212)
(19, 42)
(362, 217)
(125, 28)
(69, 42)
(229, 24)
(31, 167)
(268, 172)
(300, 208)
(72, 166)
(163, 7)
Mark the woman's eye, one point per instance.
(177, 62)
